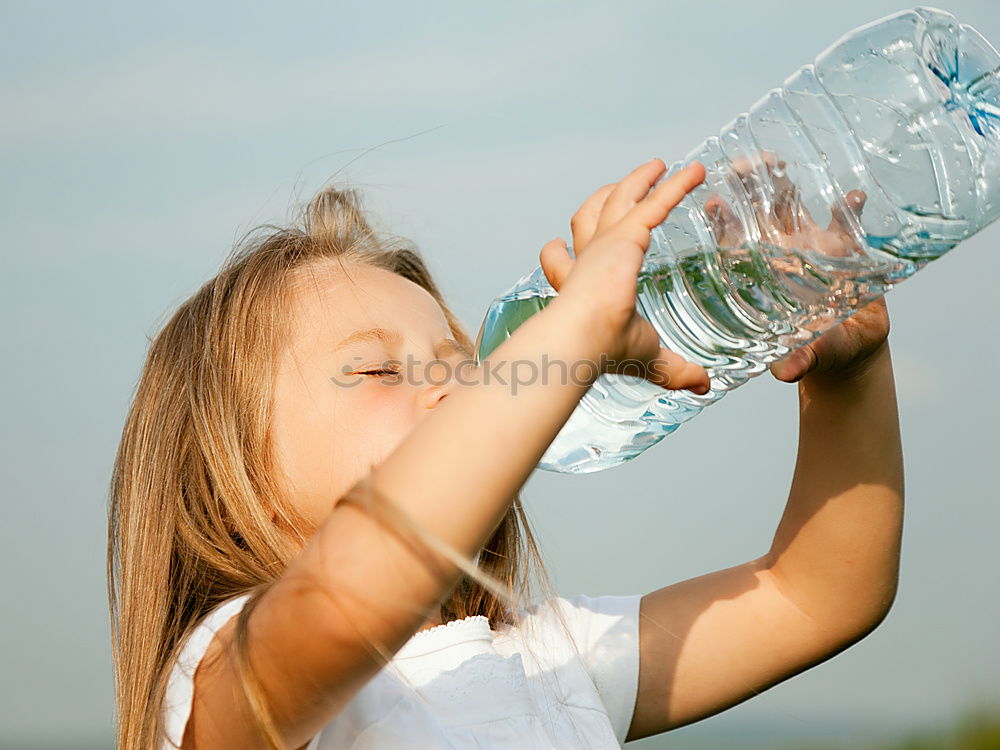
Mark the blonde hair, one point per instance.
(195, 515)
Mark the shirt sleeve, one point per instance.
(606, 632)
(180, 685)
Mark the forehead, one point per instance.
(338, 300)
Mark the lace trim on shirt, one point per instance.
(444, 626)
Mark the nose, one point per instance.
(432, 395)
(439, 381)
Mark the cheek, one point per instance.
(377, 420)
(329, 439)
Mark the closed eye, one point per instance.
(377, 372)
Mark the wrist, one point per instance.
(552, 340)
(578, 331)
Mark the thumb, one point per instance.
(672, 371)
(794, 366)
(556, 262)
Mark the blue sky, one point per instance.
(138, 142)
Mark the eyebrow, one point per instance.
(388, 336)
(369, 334)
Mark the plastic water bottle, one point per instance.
(906, 109)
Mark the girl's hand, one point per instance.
(782, 217)
(846, 349)
(610, 237)
(842, 352)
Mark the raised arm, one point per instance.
(454, 475)
(830, 574)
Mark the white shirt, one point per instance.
(471, 687)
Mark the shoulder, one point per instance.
(180, 684)
(591, 622)
(602, 632)
(197, 642)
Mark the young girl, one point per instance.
(294, 515)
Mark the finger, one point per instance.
(794, 366)
(785, 203)
(726, 226)
(844, 218)
(653, 210)
(755, 176)
(629, 191)
(792, 215)
(744, 165)
(844, 235)
(670, 370)
(584, 222)
(756, 173)
(714, 207)
(765, 179)
(556, 262)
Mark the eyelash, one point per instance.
(378, 372)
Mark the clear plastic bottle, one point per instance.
(906, 109)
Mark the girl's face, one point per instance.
(338, 408)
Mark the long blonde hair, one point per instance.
(195, 515)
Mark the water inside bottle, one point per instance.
(715, 308)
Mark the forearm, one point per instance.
(460, 467)
(836, 550)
